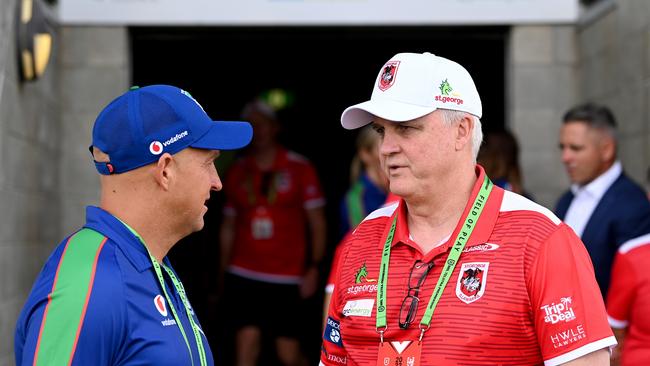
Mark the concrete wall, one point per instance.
(614, 52)
(542, 82)
(30, 156)
(94, 69)
(46, 172)
(605, 58)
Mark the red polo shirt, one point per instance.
(538, 301)
(628, 299)
(271, 228)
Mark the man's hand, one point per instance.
(309, 283)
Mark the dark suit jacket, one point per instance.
(623, 213)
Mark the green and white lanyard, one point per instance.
(450, 263)
(181, 291)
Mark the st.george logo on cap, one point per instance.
(141, 124)
(412, 85)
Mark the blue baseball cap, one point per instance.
(143, 123)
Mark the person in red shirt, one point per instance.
(459, 271)
(628, 301)
(273, 212)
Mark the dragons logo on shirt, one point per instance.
(471, 281)
(362, 274)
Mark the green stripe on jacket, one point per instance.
(71, 291)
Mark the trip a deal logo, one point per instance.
(561, 311)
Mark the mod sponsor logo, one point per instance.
(341, 360)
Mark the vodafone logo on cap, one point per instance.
(156, 148)
(159, 302)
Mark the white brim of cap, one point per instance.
(363, 113)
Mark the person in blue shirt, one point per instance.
(108, 294)
(369, 185)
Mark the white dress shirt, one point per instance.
(587, 197)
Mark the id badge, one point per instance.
(393, 353)
(261, 224)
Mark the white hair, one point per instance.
(449, 117)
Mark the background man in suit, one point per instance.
(603, 206)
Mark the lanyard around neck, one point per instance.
(181, 291)
(271, 194)
(450, 264)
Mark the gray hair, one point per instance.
(449, 117)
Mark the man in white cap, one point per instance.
(459, 271)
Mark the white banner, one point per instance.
(316, 12)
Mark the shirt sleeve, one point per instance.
(333, 351)
(621, 292)
(333, 276)
(567, 306)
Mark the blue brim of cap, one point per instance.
(225, 135)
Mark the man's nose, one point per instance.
(566, 155)
(388, 144)
(215, 181)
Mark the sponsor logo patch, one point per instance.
(187, 94)
(569, 336)
(471, 281)
(332, 332)
(168, 322)
(362, 275)
(159, 302)
(445, 87)
(388, 74)
(156, 148)
(353, 290)
(481, 248)
(559, 312)
(361, 282)
(361, 307)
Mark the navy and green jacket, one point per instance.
(96, 302)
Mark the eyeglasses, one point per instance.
(410, 303)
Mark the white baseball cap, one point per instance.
(412, 85)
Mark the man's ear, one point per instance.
(163, 171)
(464, 132)
(607, 148)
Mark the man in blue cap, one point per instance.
(108, 294)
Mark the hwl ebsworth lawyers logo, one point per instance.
(471, 281)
